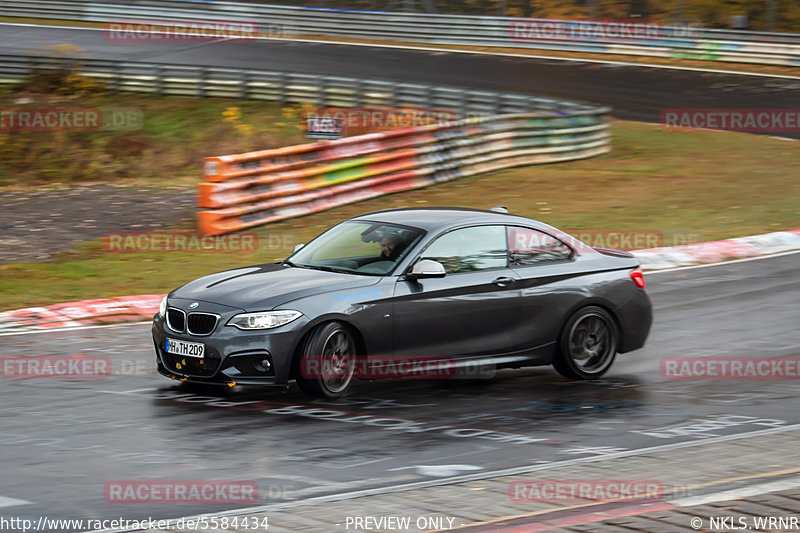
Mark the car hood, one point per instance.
(264, 287)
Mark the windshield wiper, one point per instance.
(328, 268)
(325, 268)
(314, 267)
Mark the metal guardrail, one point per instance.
(283, 87)
(679, 42)
(256, 188)
(502, 130)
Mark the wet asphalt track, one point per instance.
(635, 93)
(61, 441)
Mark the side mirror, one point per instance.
(297, 247)
(426, 268)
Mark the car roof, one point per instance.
(437, 218)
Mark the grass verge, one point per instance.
(688, 185)
(165, 139)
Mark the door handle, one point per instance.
(503, 281)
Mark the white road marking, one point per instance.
(438, 470)
(483, 475)
(737, 493)
(593, 450)
(75, 328)
(5, 501)
(451, 50)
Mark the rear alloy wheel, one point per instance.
(327, 361)
(588, 344)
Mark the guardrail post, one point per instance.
(497, 107)
(201, 86)
(462, 104)
(244, 84)
(159, 79)
(282, 89)
(116, 78)
(34, 66)
(322, 91)
(359, 93)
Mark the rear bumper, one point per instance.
(636, 319)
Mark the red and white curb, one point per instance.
(81, 313)
(716, 251)
(143, 307)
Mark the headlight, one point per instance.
(162, 307)
(265, 320)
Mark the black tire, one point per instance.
(588, 344)
(326, 363)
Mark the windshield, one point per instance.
(368, 248)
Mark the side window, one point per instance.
(532, 247)
(470, 249)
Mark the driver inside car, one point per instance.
(392, 246)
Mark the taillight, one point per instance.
(638, 277)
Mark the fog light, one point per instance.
(265, 364)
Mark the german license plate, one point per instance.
(191, 349)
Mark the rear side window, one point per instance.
(532, 247)
(470, 249)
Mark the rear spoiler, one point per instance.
(613, 252)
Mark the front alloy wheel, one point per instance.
(327, 361)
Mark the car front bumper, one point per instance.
(232, 356)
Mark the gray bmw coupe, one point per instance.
(421, 291)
